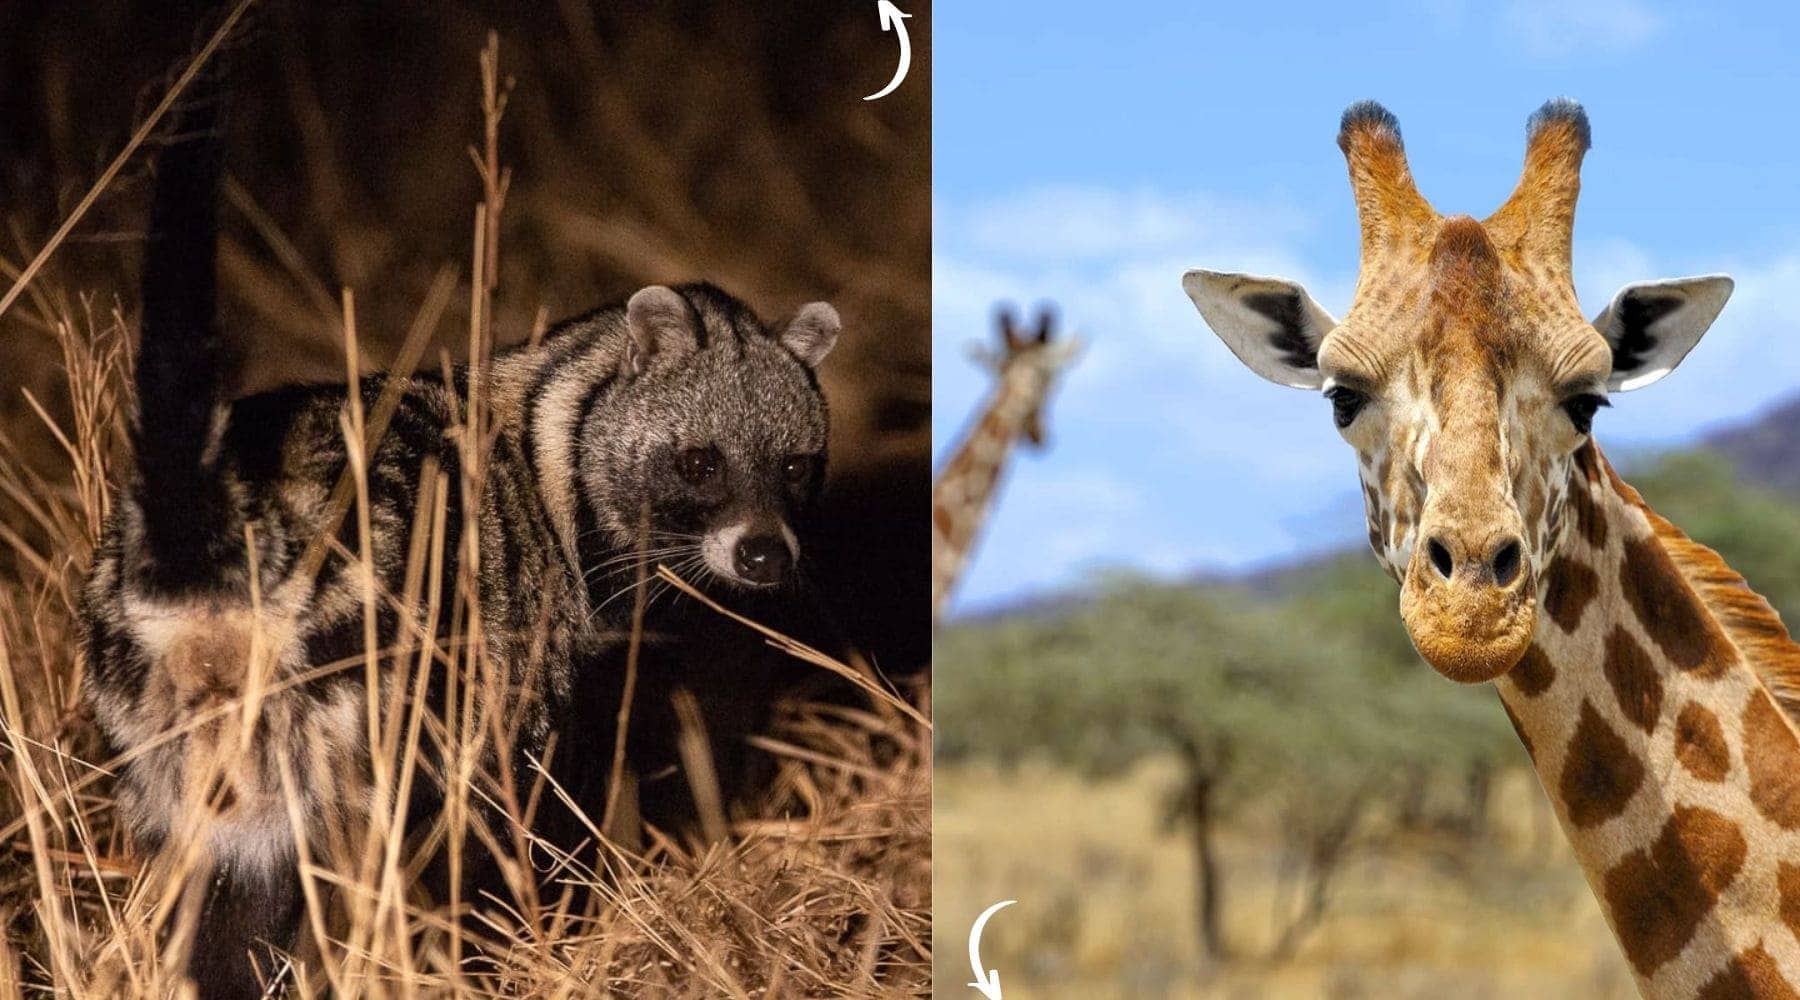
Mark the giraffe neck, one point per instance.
(964, 489)
(1652, 703)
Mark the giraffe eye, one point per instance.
(1581, 410)
(1346, 403)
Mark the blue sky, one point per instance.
(1089, 160)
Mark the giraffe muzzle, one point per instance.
(1470, 604)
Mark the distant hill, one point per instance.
(1766, 450)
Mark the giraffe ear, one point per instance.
(1271, 324)
(1652, 325)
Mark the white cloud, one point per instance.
(1446, 15)
(1565, 27)
(1072, 223)
(1112, 264)
(1159, 437)
(1089, 504)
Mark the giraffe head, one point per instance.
(1464, 376)
(1027, 364)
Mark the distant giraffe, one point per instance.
(964, 490)
(1655, 692)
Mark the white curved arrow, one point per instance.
(891, 20)
(989, 982)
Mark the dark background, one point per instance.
(648, 142)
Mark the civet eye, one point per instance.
(700, 464)
(1581, 410)
(1346, 403)
(797, 469)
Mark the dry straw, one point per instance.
(821, 888)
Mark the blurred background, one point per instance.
(648, 142)
(1178, 718)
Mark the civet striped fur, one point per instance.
(233, 677)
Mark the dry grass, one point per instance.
(1106, 906)
(820, 888)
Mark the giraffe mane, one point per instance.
(1752, 624)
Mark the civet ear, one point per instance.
(1652, 325)
(659, 321)
(812, 333)
(1271, 324)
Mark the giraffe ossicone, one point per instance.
(1656, 693)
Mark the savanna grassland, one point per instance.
(414, 185)
(1257, 789)
(1106, 899)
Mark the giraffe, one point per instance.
(1655, 692)
(1025, 368)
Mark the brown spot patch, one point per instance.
(1587, 516)
(1773, 759)
(1633, 678)
(1659, 896)
(1534, 673)
(1752, 975)
(942, 520)
(1600, 773)
(1787, 880)
(1670, 611)
(1587, 459)
(1700, 743)
(1571, 588)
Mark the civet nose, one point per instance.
(763, 558)
(1497, 563)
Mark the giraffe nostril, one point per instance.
(1440, 558)
(1506, 563)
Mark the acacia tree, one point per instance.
(1263, 708)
